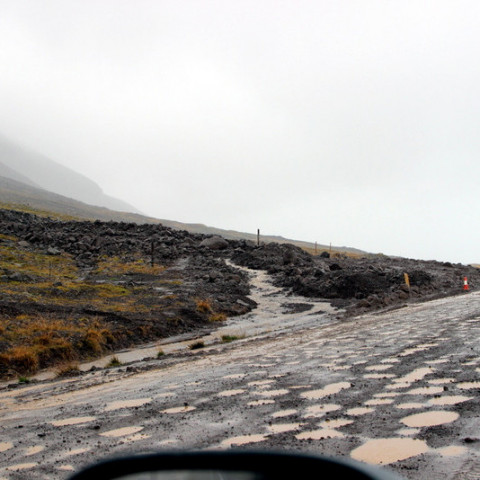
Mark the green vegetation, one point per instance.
(160, 353)
(54, 315)
(231, 338)
(114, 266)
(114, 362)
(217, 317)
(58, 310)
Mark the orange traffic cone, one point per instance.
(465, 283)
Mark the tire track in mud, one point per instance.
(406, 380)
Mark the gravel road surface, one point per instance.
(399, 389)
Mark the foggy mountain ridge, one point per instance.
(16, 161)
(17, 195)
(55, 188)
(8, 172)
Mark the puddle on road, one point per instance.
(121, 432)
(136, 402)
(416, 375)
(337, 423)
(408, 432)
(320, 434)
(185, 408)
(230, 393)
(320, 410)
(411, 351)
(425, 391)
(4, 446)
(449, 400)
(398, 385)
(383, 451)
(440, 381)
(452, 451)
(20, 466)
(430, 419)
(77, 451)
(34, 450)
(284, 427)
(468, 385)
(284, 413)
(243, 440)
(331, 389)
(72, 421)
(66, 468)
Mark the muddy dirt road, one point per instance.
(399, 388)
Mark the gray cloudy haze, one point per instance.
(351, 122)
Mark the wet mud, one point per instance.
(397, 389)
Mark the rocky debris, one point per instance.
(215, 243)
(362, 283)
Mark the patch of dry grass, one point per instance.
(204, 305)
(39, 266)
(116, 266)
(16, 207)
(217, 317)
(31, 342)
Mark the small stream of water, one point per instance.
(274, 313)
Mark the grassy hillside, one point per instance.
(74, 290)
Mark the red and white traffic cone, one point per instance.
(465, 283)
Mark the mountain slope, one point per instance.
(31, 180)
(16, 195)
(37, 170)
(20, 196)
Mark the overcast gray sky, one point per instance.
(351, 122)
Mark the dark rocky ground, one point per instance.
(196, 269)
(361, 284)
